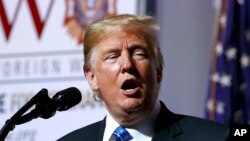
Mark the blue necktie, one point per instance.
(121, 134)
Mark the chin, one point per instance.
(134, 105)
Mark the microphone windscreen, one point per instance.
(67, 98)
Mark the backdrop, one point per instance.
(41, 47)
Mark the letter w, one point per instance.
(39, 23)
(36, 17)
(7, 26)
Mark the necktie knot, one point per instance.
(121, 134)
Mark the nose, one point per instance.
(127, 63)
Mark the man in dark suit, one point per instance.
(123, 66)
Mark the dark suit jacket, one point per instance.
(169, 127)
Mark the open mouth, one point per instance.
(130, 87)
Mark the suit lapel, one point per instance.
(98, 135)
(163, 136)
(167, 126)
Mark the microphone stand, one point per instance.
(15, 119)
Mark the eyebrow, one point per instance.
(111, 49)
(138, 44)
(134, 45)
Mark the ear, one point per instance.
(91, 78)
(159, 74)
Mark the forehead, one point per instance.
(121, 40)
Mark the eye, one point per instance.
(139, 54)
(111, 58)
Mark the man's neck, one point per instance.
(143, 130)
(146, 126)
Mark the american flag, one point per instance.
(228, 99)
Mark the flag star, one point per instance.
(248, 35)
(223, 20)
(231, 53)
(240, 2)
(220, 108)
(225, 80)
(211, 105)
(215, 77)
(218, 48)
(237, 116)
(243, 87)
(245, 62)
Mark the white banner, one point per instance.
(41, 47)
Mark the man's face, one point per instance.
(125, 74)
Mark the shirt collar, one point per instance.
(110, 127)
(143, 130)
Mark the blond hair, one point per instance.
(101, 29)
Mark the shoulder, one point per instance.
(199, 127)
(196, 121)
(87, 133)
(188, 128)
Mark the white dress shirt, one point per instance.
(142, 131)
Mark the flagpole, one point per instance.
(220, 10)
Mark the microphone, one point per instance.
(47, 107)
(67, 98)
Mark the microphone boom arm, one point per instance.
(10, 123)
(45, 107)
